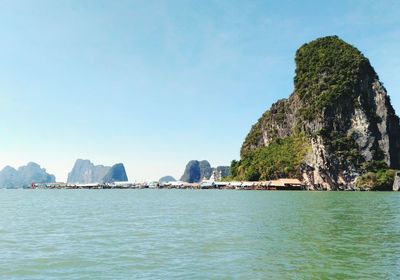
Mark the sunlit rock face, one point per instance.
(85, 172)
(341, 110)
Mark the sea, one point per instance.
(198, 234)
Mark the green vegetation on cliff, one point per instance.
(327, 69)
(277, 113)
(345, 148)
(376, 176)
(381, 180)
(281, 158)
(338, 105)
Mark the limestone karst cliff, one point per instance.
(195, 171)
(84, 172)
(24, 176)
(116, 173)
(336, 126)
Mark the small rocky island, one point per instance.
(196, 171)
(336, 131)
(85, 172)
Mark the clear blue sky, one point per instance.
(154, 84)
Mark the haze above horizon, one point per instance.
(154, 84)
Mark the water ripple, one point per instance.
(170, 234)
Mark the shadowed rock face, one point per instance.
(339, 107)
(116, 174)
(196, 171)
(85, 172)
(24, 176)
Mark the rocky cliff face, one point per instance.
(115, 174)
(85, 172)
(196, 171)
(339, 109)
(24, 176)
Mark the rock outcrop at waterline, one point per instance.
(337, 125)
(24, 176)
(85, 172)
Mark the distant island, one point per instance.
(336, 131)
(166, 179)
(24, 176)
(196, 171)
(85, 172)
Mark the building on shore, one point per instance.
(279, 184)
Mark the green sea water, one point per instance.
(207, 234)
